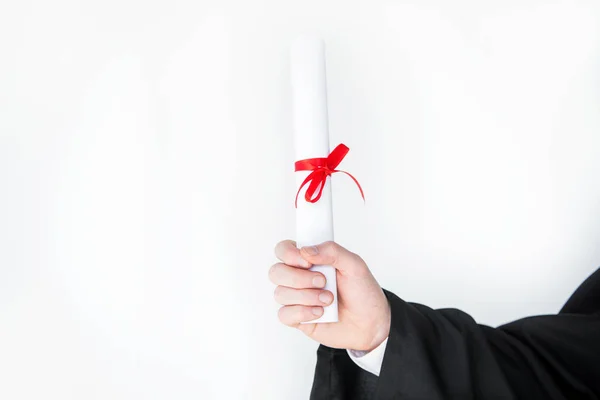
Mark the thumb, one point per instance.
(331, 253)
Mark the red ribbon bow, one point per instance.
(322, 168)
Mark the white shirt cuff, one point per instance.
(370, 361)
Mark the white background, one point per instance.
(146, 174)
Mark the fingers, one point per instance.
(295, 315)
(331, 253)
(307, 297)
(284, 275)
(287, 252)
(298, 288)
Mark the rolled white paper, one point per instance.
(314, 221)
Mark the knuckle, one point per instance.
(284, 247)
(277, 292)
(301, 280)
(280, 249)
(281, 314)
(291, 252)
(287, 315)
(276, 249)
(287, 255)
(304, 297)
(273, 271)
(332, 249)
(295, 281)
(286, 243)
(359, 259)
(329, 245)
(308, 297)
(304, 313)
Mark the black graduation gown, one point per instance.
(445, 354)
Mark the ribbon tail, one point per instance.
(320, 185)
(318, 182)
(355, 181)
(308, 179)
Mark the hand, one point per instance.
(363, 309)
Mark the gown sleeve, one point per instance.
(445, 354)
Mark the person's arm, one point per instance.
(433, 354)
(445, 354)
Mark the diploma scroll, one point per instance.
(314, 221)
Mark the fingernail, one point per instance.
(318, 281)
(325, 298)
(317, 310)
(311, 250)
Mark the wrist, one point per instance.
(382, 330)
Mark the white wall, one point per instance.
(146, 174)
